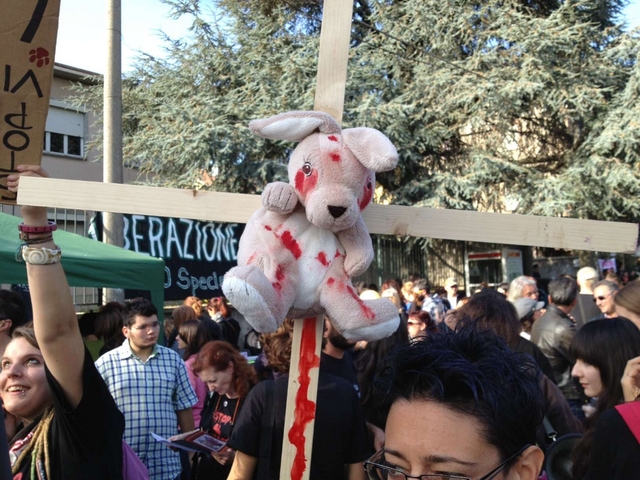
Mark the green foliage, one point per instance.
(531, 101)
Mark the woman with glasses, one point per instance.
(601, 350)
(461, 406)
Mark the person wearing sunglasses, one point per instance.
(460, 406)
(604, 293)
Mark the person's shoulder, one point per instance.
(167, 352)
(332, 383)
(110, 356)
(610, 418)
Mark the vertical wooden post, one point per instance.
(301, 398)
(307, 334)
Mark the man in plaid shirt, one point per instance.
(150, 386)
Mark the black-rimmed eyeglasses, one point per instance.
(377, 470)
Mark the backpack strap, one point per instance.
(630, 413)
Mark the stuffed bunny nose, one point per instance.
(336, 211)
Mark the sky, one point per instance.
(82, 31)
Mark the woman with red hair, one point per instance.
(229, 378)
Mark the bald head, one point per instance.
(587, 277)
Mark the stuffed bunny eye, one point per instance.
(369, 184)
(306, 169)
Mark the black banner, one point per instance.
(197, 254)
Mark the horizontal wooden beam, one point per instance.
(554, 232)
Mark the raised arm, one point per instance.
(54, 316)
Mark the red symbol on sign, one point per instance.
(39, 55)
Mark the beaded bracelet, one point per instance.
(35, 241)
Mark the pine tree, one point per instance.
(534, 102)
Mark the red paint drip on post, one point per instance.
(305, 409)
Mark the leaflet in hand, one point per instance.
(196, 442)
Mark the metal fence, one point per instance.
(74, 221)
(394, 258)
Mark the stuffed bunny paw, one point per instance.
(357, 262)
(279, 197)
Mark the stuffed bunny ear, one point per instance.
(294, 126)
(372, 148)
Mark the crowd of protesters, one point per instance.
(479, 387)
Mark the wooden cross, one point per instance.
(390, 220)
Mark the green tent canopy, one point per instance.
(87, 263)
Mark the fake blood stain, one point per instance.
(366, 310)
(290, 244)
(279, 278)
(305, 409)
(305, 184)
(322, 258)
(366, 196)
(333, 138)
(335, 156)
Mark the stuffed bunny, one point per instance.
(298, 253)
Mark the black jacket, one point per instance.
(553, 333)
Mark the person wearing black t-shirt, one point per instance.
(336, 359)
(72, 426)
(339, 442)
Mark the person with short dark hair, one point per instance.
(553, 333)
(150, 386)
(460, 405)
(12, 315)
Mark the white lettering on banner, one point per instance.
(172, 238)
(198, 240)
(155, 238)
(134, 230)
(185, 249)
(167, 277)
(231, 235)
(187, 281)
(125, 233)
(183, 278)
(212, 242)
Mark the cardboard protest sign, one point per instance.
(28, 30)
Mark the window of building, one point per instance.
(64, 132)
